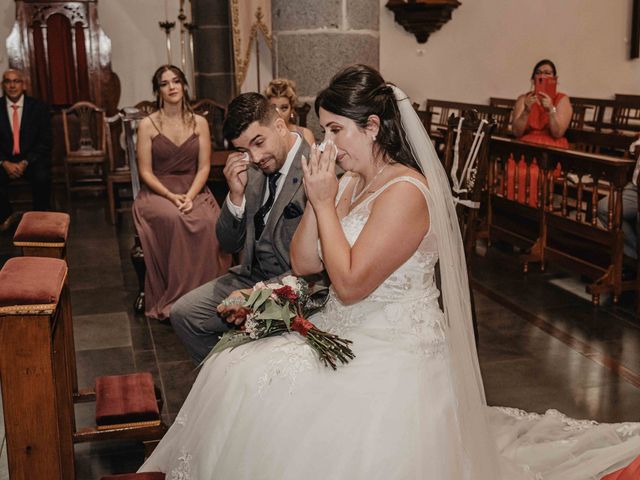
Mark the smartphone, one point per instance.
(546, 85)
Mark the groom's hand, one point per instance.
(232, 309)
(235, 171)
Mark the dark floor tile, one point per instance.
(177, 378)
(107, 458)
(104, 330)
(88, 301)
(140, 335)
(146, 362)
(108, 361)
(168, 346)
(98, 252)
(83, 278)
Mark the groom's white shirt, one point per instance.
(238, 210)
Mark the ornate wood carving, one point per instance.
(30, 26)
(422, 17)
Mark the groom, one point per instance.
(258, 218)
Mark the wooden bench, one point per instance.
(559, 224)
(590, 141)
(438, 112)
(36, 389)
(577, 118)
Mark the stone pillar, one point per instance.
(313, 40)
(212, 50)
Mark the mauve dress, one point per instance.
(181, 251)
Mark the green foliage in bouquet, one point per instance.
(276, 309)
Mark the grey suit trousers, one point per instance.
(194, 316)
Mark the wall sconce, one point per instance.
(422, 17)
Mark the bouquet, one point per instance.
(275, 309)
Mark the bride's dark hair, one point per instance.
(359, 91)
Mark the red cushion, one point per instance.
(136, 476)
(31, 281)
(47, 227)
(125, 399)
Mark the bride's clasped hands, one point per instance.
(320, 180)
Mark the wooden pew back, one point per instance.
(560, 224)
(438, 113)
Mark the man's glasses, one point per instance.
(6, 81)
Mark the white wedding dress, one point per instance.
(270, 410)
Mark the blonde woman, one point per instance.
(282, 94)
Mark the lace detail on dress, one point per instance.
(181, 419)
(288, 360)
(337, 318)
(628, 430)
(570, 424)
(420, 323)
(183, 470)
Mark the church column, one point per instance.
(313, 40)
(212, 46)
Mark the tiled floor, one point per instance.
(540, 347)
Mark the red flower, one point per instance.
(286, 293)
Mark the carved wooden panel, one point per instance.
(30, 49)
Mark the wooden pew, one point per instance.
(601, 112)
(577, 118)
(590, 141)
(36, 388)
(560, 225)
(438, 113)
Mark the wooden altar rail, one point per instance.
(554, 215)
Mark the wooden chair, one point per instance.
(469, 177)
(626, 115)
(146, 107)
(600, 112)
(215, 114)
(301, 112)
(131, 116)
(88, 156)
(466, 162)
(119, 174)
(502, 102)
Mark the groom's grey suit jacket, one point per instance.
(269, 256)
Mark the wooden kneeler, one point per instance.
(126, 405)
(36, 388)
(43, 234)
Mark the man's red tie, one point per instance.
(16, 130)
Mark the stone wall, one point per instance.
(212, 50)
(313, 40)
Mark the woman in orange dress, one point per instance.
(538, 118)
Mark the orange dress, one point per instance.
(538, 132)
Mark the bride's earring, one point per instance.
(373, 139)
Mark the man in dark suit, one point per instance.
(258, 218)
(25, 143)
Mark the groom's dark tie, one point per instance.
(258, 220)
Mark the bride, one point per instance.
(411, 404)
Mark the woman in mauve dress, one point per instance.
(175, 213)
